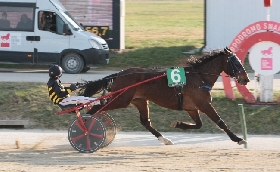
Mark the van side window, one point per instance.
(16, 18)
(47, 21)
(50, 21)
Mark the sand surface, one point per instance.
(48, 150)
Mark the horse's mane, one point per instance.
(194, 61)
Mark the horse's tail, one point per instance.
(89, 88)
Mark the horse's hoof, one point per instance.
(164, 140)
(241, 142)
(173, 124)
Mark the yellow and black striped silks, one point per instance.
(57, 92)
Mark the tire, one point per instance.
(72, 63)
(87, 142)
(110, 126)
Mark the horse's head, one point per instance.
(235, 69)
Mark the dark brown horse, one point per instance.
(193, 97)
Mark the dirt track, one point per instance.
(50, 151)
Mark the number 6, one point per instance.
(175, 76)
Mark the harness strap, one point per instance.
(178, 90)
(207, 87)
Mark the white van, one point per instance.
(42, 31)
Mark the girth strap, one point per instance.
(178, 90)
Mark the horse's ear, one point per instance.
(227, 50)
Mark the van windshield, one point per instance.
(71, 21)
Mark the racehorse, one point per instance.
(193, 97)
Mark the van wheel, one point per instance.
(72, 63)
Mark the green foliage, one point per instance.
(150, 57)
(157, 32)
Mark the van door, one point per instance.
(17, 32)
(52, 41)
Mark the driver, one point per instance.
(59, 94)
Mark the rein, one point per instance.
(208, 74)
(213, 74)
(164, 72)
(120, 91)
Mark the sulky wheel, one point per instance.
(110, 125)
(83, 141)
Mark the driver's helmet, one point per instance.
(55, 71)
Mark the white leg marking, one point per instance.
(165, 141)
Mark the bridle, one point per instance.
(232, 68)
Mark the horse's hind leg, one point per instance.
(143, 107)
(186, 125)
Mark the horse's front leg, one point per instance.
(143, 107)
(209, 110)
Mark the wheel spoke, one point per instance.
(77, 123)
(88, 142)
(91, 125)
(96, 135)
(109, 121)
(77, 138)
